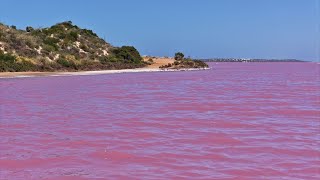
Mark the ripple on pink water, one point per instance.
(112, 155)
(236, 121)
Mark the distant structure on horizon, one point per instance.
(249, 60)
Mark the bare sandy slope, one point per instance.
(158, 61)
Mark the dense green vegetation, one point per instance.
(184, 63)
(9, 63)
(61, 47)
(128, 54)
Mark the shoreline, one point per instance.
(154, 67)
(7, 75)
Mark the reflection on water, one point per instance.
(238, 120)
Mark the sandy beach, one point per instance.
(83, 73)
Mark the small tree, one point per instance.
(29, 29)
(179, 56)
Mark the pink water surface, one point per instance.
(236, 121)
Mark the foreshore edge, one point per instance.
(4, 75)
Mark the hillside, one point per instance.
(61, 47)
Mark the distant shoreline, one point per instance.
(4, 75)
(249, 60)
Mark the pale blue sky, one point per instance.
(199, 28)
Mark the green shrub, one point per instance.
(128, 54)
(67, 24)
(89, 32)
(36, 33)
(49, 48)
(52, 42)
(201, 63)
(67, 64)
(26, 66)
(56, 29)
(108, 59)
(61, 35)
(46, 65)
(73, 36)
(63, 62)
(7, 57)
(8, 63)
(29, 29)
(84, 47)
(28, 52)
(179, 56)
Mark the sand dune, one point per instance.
(158, 61)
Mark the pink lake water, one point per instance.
(236, 121)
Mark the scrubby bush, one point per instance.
(67, 64)
(201, 63)
(36, 33)
(7, 57)
(84, 47)
(67, 24)
(108, 59)
(128, 54)
(179, 56)
(48, 48)
(29, 29)
(72, 36)
(9, 63)
(56, 29)
(182, 63)
(52, 42)
(31, 44)
(61, 35)
(28, 52)
(26, 66)
(89, 32)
